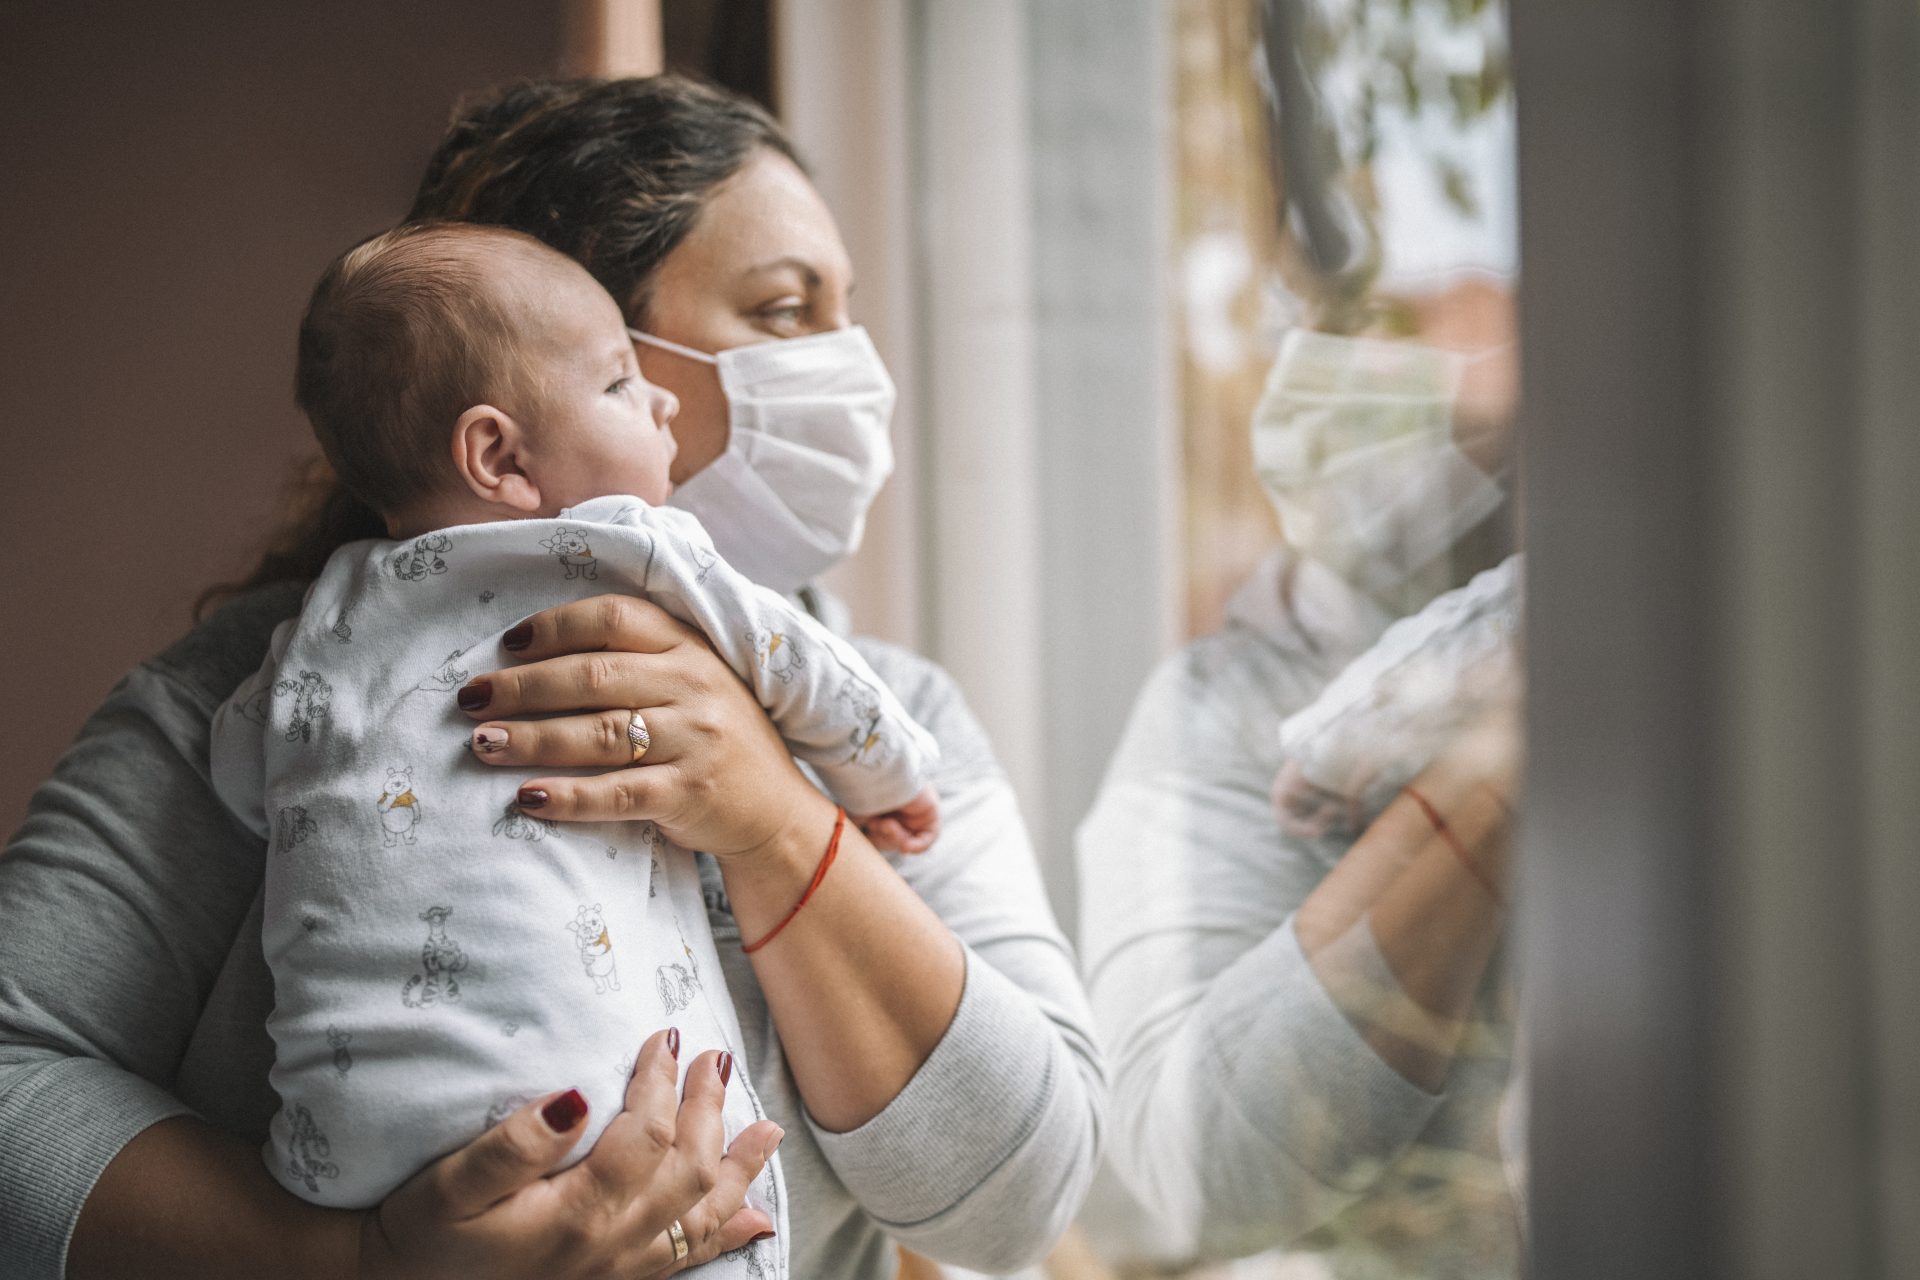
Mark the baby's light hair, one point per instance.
(405, 332)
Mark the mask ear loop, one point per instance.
(662, 343)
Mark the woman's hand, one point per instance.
(716, 776)
(491, 1208)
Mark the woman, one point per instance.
(920, 1036)
(1311, 1040)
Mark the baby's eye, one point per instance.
(619, 386)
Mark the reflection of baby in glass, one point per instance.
(480, 391)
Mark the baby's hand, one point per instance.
(1311, 811)
(912, 828)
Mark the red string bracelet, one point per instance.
(1445, 833)
(820, 873)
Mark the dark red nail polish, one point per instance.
(474, 696)
(764, 1235)
(531, 797)
(518, 637)
(673, 1043)
(565, 1111)
(726, 1069)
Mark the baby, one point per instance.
(439, 957)
(1396, 707)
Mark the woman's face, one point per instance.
(763, 261)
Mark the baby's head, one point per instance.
(457, 373)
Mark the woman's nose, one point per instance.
(833, 315)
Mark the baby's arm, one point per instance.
(238, 740)
(1389, 713)
(833, 711)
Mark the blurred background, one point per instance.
(1081, 229)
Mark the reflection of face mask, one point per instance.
(808, 452)
(1353, 442)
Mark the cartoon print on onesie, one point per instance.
(706, 558)
(342, 630)
(757, 1265)
(570, 547)
(446, 677)
(257, 707)
(589, 930)
(863, 704)
(505, 1107)
(777, 653)
(655, 840)
(399, 807)
(310, 695)
(293, 826)
(342, 1059)
(422, 559)
(440, 960)
(307, 1150)
(515, 825)
(678, 983)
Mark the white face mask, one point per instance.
(1353, 442)
(809, 449)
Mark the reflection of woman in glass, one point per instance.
(1309, 1031)
(1294, 879)
(921, 1036)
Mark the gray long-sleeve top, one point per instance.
(1248, 1112)
(132, 989)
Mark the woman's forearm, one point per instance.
(1432, 897)
(186, 1199)
(862, 983)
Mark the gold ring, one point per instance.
(679, 1238)
(638, 739)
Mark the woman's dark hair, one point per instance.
(612, 173)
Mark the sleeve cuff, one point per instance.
(1302, 1075)
(972, 1104)
(65, 1123)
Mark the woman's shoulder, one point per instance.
(228, 645)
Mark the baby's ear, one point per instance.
(489, 448)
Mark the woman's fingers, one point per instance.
(704, 1243)
(655, 1141)
(604, 622)
(651, 1125)
(515, 1153)
(701, 1099)
(721, 1222)
(721, 1218)
(625, 795)
(571, 682)
(596, 739)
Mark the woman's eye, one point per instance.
(784, 315)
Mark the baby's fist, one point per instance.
(912, 828)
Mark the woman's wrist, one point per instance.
(764, 881)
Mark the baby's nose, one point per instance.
(666, 406)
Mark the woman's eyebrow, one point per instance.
(805, 268)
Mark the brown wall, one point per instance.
(172, 179)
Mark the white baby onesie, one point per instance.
(439, 957)
(1389, 713)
